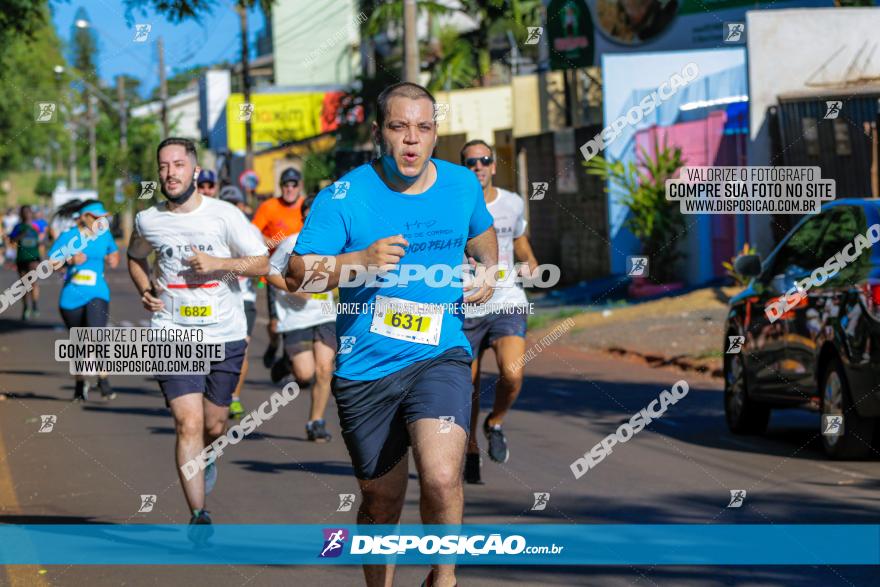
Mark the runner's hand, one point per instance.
(482, 295)
(202, 262)
(78, 259)
(151, 302)
(385, 252)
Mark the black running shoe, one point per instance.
(497, 442)
(196, 533)
(280, 369)
(472, 469)
(317, 432)
(269, 356)
(81, 391)
(106, 393)
(202, 517)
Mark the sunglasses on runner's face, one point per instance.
(291, 183)
(472, 161)
(206, 185)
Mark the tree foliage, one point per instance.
(654, 220)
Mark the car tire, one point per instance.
(743, 414)
(858, 432)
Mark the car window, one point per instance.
(800, 253)
(846, 222)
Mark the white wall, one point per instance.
(788, 48)
(183, 113)
(312, 42)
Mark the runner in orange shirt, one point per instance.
(278, 218)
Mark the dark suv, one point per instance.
(823, 351)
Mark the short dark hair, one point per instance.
(405, 89)
(470, 144)
(185, 143)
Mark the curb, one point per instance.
(681, 361)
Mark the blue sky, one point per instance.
(212, 40)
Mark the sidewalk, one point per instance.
(685, 331)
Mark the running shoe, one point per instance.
(269, 356)
(26, 314)
(107, 394)
(200, 518)
(35, 311)
(497, 442)
(472, 469)
(210, 478)
(196, 533)
(317, 432)
(235, 408)
(81, 392)
(280, 369)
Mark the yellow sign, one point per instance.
(275, 118)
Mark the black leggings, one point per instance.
(94, 313)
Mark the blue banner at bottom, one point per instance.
(471, 544)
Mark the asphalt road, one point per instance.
(101, 457)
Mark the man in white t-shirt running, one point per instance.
(308, 323)
(501, 323)
(198, 242)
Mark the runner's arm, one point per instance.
(278, 281)
(139, 271)
(484, 248)
(522, 251)
(297, 268)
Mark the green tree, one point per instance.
(27, 76)
(654, 220)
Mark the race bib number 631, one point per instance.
(410, 321)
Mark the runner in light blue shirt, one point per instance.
(85, 297)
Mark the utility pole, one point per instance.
(128, 213)
(93, 147)
(246, 87)
(71, 157)
(410, 42)
(163, 87)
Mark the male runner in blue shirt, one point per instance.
(403, 365)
